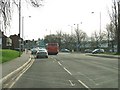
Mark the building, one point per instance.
(15, 41)
(4, 40)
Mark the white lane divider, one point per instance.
(67, 71)
(72, 84)
(59, 63)
(21, 74)
(84, 84)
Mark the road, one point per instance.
(67, 70)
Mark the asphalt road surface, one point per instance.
(67, 70)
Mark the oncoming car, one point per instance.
(41, 53)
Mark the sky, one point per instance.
(61, 15)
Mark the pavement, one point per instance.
(12, 65)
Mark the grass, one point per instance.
(7, 55)
(112, 53)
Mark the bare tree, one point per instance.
(5, 14)
(6, 7)
(114, 15)
(80, 35)
(97, 39)
(115, 19)
(111, 35)
(59, 37)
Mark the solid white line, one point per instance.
(83, 84)
(59, 63)
(67, 71)
(72, 84)
(18, 69)
(20, 75)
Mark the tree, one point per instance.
(80, 35)
(111, 35)
(6, 7)
(97, 39)
(5, 14)
(115, 19)
(59, 37)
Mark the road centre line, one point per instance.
(84, 84)
(67, 71)
(59, 63)
(72, 84)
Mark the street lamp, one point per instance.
(78, 39)
(19, 27)
(23, 30)
(99, 27)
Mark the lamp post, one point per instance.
(19, 27)
(78, 38)
(23, 19)
(99, 26)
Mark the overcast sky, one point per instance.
(58, 15)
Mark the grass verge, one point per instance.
(7, 55)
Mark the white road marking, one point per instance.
(59, 63)
(84, 84)
(72, 84)
(67, 71)
(20, 75)
(88, 78)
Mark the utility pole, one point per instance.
(100, 31)
(19, 27)
(23, 46)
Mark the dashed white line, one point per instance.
(72, 84)
(59, 63)
(67, 71)
(84, 84)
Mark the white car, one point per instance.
(98, 51)
(42, 53)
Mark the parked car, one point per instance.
(42, 53)
(65, 50)
(88, 51)
(98, 51)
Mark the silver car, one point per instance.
(41, 53)
(98, 51)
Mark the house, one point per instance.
(16, 41)
(4, 38)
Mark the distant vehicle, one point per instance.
(98, 51)
(52, 48)
(33, 51)
(65, 50)
(42, 53)
(88, 51)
